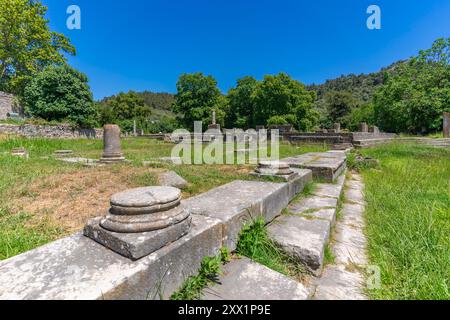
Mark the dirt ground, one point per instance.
(68, 200)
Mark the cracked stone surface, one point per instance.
(344, 280)
(244, 279)
(328, 190)
(339, 284)
(312, 203)
(355, 196)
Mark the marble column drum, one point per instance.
(275, 169)
(112, 151)
(141, 221)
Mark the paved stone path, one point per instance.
(345, 280)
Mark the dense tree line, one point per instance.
(408, 96)
(277, 99)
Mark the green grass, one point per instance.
(408, 221)
(329, 257)
(208, 273)
(254, 243)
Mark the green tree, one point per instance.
(27, 45)
(241, 104)
(339, 104)
(197, 96)
(123, 109)
(414, 99)
(60, 93)
(365, 113)
(280, 95)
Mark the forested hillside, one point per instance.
(361, 86)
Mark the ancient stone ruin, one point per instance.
(275, 169)
(20, 152)
(141, 221)
(63, 153)
(446, 124)
(112, 151)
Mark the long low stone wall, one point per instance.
(47, 131)
(81, 269)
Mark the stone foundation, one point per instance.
(53, 132)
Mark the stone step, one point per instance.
(303, 239)
(344, 280)
(324, 165)
(305, 231)
(244, 279)
(240, 202)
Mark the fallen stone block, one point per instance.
(172, 179)
(303, 239)
(244, 279)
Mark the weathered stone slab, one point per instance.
(324, 214)
(78, 268)
(350, 246)
(62, 153)
(83, 161)
(337, 283)
(324, 165)
(353, 184)
(352, 215)
(328, 190)
(172, 179)
(164, 160)
(312, 203)
(355, 196)
(239, 203)
(304, 239)
(247, 280)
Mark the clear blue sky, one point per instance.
(147, 44)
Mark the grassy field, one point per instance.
(42, 199)
(408, 221)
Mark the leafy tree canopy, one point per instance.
(280, 95)
(415, 98)
(241, 104)
(197, 96)
(27, 45)
(60, 93)
(339, 105)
